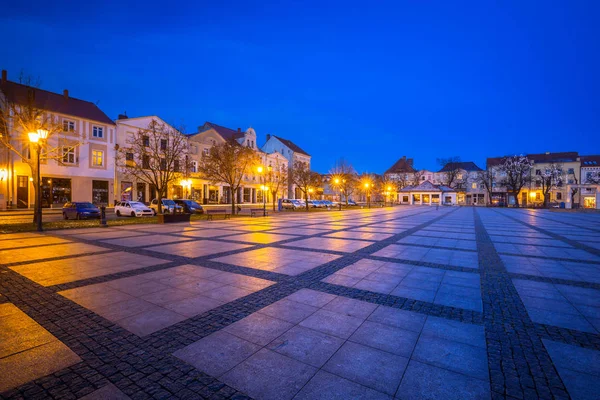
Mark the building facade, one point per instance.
(79, 154)
(293, 153)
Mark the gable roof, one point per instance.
(225, 133)
(403, 165)
(468, 166)
(427, 187)
(567, 156)
(54, 102)
(291, 145)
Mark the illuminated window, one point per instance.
(474, 185)
(97, 158)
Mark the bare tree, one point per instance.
(451, 170)
(574, 190)
(305, 179)
(487, 178)
(593, 178)
(517, 170)
(388, 187)
(156, 155)
(344, 178)
(227, 163)
(21, 115)
(549, 178)
(416, 178)
(401, 180)
(276, 179)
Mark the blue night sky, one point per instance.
(367, 81)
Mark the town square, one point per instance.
(300, 200)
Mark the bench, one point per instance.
(217, 211)
(259, 211)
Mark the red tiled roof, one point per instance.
(54, 102)
(291, 145)
(403, 165)
(226, 133)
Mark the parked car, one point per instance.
(329, 203)
(189, 206)
(80, 210)
(132, 208)
(290, 204)
(168, 206)
(352, 203)
(313, 203)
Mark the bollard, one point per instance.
(103, 217)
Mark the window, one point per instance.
(205, 151)
(129, 160)
(474, 185)
(163, 144)
(194, 166)
(97, 158)
(538, 196)
(571, 171)
(176, 166)
(459, 176)
(146, 140)
(100, 192)
(68, 126)
(146, 161)
(558, 196)
(163, 164)
(538, 172)
(97, 132)
(68, 155)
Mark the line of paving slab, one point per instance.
(182, 260)
(519, 365)
(574, 243)
(34, 298)
(536, 215)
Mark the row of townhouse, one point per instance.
(461, 182)
(454, 183)
(86, 168)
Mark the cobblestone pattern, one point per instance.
(556, 281)
(519, 365)
(144, 367)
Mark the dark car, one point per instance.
(189, 206)
(80, 210)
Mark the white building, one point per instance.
(429, 194)
(293, 153)
(82, 169)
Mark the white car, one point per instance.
(168, 207)
(132, 208)
(292, 204)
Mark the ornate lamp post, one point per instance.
(36, 137)
(264, 189)
(368, 197)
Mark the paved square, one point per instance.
(387, 303)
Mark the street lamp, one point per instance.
(389, 192)
(36, 137)
(264, 188)
(368, 198)
(337, 182)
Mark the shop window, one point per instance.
(100, 192)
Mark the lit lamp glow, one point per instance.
(3, 174)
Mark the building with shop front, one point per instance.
(469, 191)
(427, 193)
(82, 167)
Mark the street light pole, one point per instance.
(39, 192)
(264, 201)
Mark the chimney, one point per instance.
(4, 76)
(239, 130)
(410, 162)
(403, 158)
(66, 94)
(268, 137)
(123, 116)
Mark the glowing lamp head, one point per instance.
(389, 188)
(260, 169)
(34, 137)
(42, 133)
(337, 181)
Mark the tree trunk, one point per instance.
(306, 199)
(159, 200)
(232, 200)
(516, 199)
(273, 196)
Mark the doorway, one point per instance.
(22, 191)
